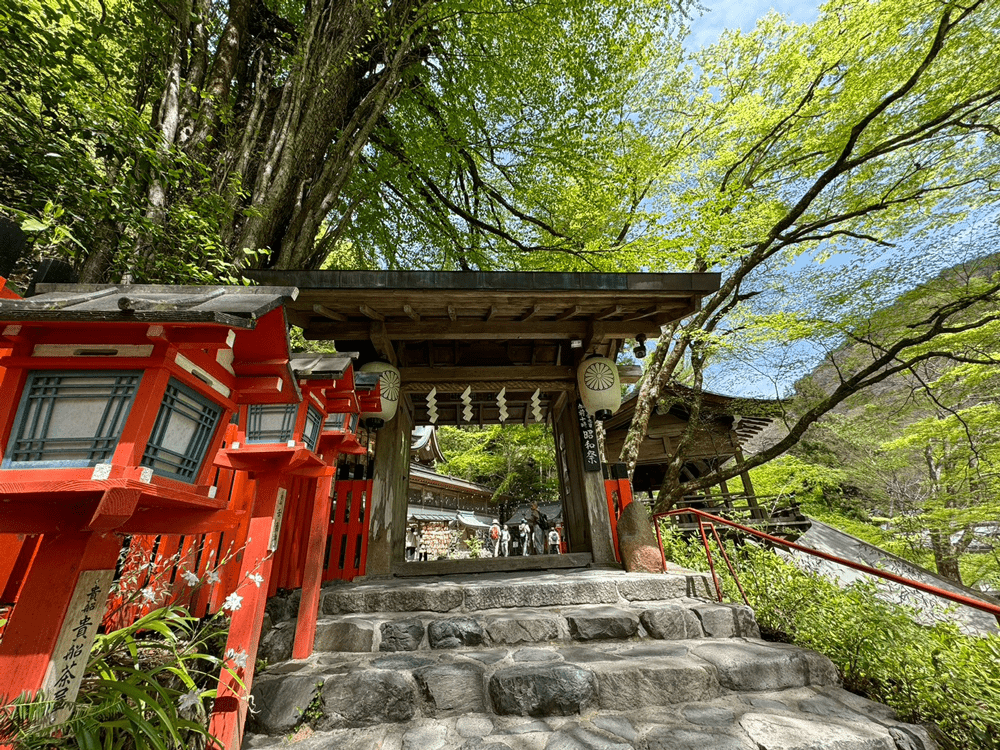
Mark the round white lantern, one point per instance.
(389, 388)
(600, 387)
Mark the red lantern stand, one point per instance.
(16, 551)
(350, 513)
(310, 516)
(116, 399)
(279, 461)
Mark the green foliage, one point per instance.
(145, 688)
(928, 674)
(313, 713)
(475, 547)
(516, 461)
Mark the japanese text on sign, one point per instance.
(588, 438)
(69, 659)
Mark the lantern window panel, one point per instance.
(314, 421)
(354, 423)
(335, 421)
(271, 423)
(182, 433)
(70, 419)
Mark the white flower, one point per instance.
(190, 700)
(189, 578)
(257, 578)
(239, 657)
(212, 576)
(148, 595)
(233, 602)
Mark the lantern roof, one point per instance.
(309, 366)
(251, 319)
(234, 306)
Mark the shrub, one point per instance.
(928, 674)
(144, 689)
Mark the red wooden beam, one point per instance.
(229, 715)
(312, 571)
(12, 575)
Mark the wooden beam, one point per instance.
(489, 386)
(531, 313)
(414, 316)
(383, 344)
(369, 313)
(610, 312)
(574, 310)
(326, 312)
(485, 372)
(491, 314)
(630, 373)
(471, 330)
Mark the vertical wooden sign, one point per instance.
(588, 438)
(72, 652)
(279, 514)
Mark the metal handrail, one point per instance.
(968, 601)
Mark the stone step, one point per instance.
(504, 590)
(743, 694)
(419, 631)
(678, 619)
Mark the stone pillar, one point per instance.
(586, 489)
(390, 483)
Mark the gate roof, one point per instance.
(451, 330)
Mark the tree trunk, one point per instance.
(945, 556)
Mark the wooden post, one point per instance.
(755, 509)
(230, 710)
(312, 573)
(31, 636)
(386, 534)
(576, 530)
(588, 487)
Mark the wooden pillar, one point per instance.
(755, 509)
(36, 622)
(386, 531)
(312, 573)
(575, 526)
(586, 489)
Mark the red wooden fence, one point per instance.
(350, 514)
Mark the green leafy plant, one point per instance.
(475, 548)
(313, 713)
(928, 674)
(144, 688)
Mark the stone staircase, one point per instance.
(553, 661)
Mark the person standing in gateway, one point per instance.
(411, 544)
(495, 537)
(553, 541)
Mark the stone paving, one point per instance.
(555, 661)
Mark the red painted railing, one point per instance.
(707, 518)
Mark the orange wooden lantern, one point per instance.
(115, 401)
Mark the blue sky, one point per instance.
(730, 14)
